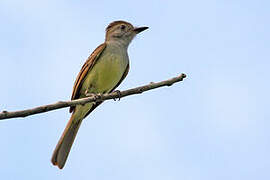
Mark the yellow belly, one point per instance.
(102, 78)
(105, 74)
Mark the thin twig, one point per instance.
(95, 98)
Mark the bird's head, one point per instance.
(121, 31)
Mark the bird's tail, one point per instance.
(63, 147)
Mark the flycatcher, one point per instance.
(103, 71)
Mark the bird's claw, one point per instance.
(97, 97)
(119, 95)
(94, 95)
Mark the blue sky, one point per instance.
(214, 125)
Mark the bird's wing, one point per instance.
(88, 65)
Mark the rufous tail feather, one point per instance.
(63, 147)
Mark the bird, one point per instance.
(103, 71)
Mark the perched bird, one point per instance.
(103, 71)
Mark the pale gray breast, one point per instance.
(118, 52)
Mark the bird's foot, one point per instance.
(94, 95)
(119, 95)
(87, 93)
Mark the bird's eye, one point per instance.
(123, 27)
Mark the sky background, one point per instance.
(213, 125)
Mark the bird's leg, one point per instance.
(97, 96)
(119, 95)
(86, 93)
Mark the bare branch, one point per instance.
(92, 98)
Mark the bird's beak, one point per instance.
(137, 30)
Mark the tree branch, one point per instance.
(92, 98)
